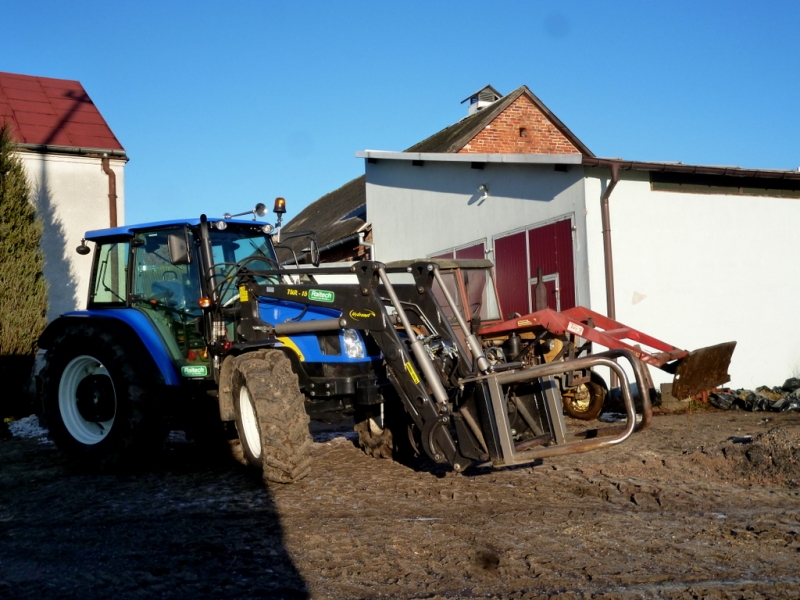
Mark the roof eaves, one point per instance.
(562, 159)
(672, 167)
(50, 149)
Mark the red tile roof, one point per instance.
(53, 112)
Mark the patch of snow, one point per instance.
(322, 437)
(177, 437)
(613, 417)
(29, 427)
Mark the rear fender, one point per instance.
(131, 329)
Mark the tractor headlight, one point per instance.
(353, 347)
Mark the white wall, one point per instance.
(416, 211)
(696, 270)
(71, 194)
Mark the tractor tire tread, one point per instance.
(282, 418)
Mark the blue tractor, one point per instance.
(151, 348)
(187, 314)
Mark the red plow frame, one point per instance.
(695, 372)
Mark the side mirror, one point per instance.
(313, 250)
(83, 249)
(178, 249)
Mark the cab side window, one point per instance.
(109, 285)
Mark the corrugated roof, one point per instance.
(330, 215)
(674, 167)
(53, 112)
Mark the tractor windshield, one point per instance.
(236, 248)
(247, 248)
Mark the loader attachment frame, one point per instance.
(558, 441)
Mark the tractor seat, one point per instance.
(172, 291)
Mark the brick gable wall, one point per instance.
(520, 129)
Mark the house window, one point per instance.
(727, 185)
(471, 250)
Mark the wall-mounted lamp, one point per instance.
(483, 189)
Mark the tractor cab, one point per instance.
(167, 274)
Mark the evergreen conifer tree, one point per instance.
(23, 289)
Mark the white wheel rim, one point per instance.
(84, 431)
(252, 436)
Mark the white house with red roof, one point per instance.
(75, 165)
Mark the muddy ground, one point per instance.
(702, 505)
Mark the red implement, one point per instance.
(695, 371)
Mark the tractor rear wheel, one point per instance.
(271, 418)
(585, 402)
(95, 402)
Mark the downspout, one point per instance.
(611, 310)
(112, 191)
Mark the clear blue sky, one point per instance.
(224, 104)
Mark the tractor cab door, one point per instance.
(168, 294)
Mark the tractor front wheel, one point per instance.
(373, 437)
(271, 418)
(386, 430)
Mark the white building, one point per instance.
(76, 167)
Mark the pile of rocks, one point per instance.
(777, 399)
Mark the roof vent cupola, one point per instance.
(481, 99)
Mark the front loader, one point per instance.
(454, 405)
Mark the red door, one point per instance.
(511, 267)
(518, 258)
(550, 249)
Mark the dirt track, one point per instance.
(687, 509)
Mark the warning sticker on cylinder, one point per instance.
(412, 372)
